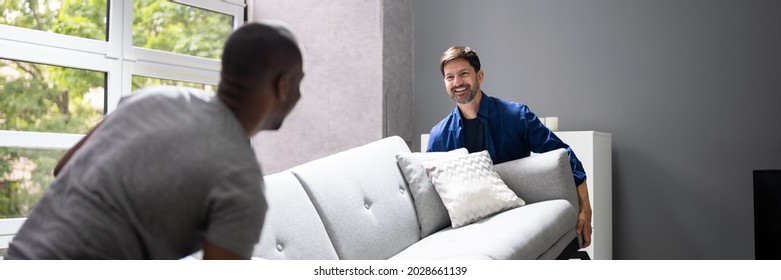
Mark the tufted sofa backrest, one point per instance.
(362, 200)
(292, 229)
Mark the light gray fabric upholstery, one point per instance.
(356, 205)
(559, 246)
(523, 233)
(432, 214)
(540, 177)
(363, 200)
(293, 229)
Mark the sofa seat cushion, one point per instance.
(522, 233)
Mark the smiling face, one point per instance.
(461, 81)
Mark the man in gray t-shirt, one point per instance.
(171, 171)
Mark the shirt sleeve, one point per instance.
(436, 139)
(541, 139)
(237, 209)
(432, 137)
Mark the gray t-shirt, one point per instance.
(166, 170)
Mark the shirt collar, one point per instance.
(482, 110)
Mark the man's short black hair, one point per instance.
(254, 54)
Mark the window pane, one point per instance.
(140, 82)
(38, 97)
(70, 17)
(24, 175)
(173, 27)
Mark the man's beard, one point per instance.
(277, 124)
(470, 95)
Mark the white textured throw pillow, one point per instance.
(470, 188)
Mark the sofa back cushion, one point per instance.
(292, 229)
(539, 177)
(362, 199)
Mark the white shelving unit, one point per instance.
(593, 149)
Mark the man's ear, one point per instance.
(281, 86)
(480, 76)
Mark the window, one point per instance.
(140, 82)
(86, 19)
(27, 172)
(179, 28)
(38, 97)
(66, 63)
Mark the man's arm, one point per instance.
(236, 212)
(214, 252)
(541, 139)
(584, 217)
(65, 158)
(431, 143)
(435, 140)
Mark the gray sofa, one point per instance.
(356, 205)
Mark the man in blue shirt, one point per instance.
(507, 130)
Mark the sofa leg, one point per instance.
(571, 252)
(583, 255)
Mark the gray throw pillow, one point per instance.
(432, 214)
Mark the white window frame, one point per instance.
(116, 57)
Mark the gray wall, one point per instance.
(358, 83)
(397, 67)
(689, 89)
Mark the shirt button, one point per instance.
(279, 247)
(366, 206)
(401, 191)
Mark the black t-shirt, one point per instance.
(474, 135)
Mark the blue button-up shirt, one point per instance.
(512, 131)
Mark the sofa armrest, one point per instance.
(541, 177)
